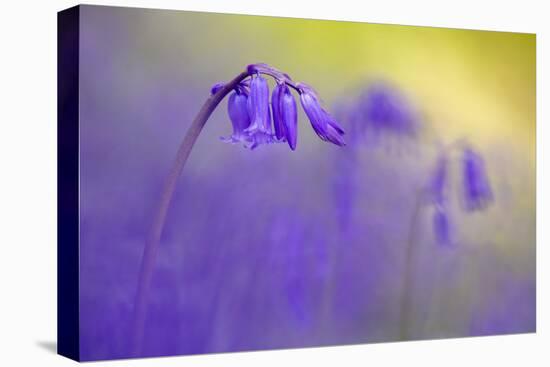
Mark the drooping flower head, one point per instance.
(260, 115)
(386, 109)
(379, 109)
(237, 108)
(477, 194)
(323, 124)
(285, 115)
(437, 194)
(441, 226)
(477, 190)
(276, 107)
(257, 129)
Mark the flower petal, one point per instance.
(258, 106)
(289, 117)
(238, 114)
(276, 107)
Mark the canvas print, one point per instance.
(236, 183)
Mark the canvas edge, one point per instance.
(68, 313)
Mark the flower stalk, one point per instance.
(477, 195)
(151, 246)
(405, 302)
(251, 96)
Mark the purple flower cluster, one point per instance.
(256, 121)
(477, 193)
(380, 109)
(385, 108)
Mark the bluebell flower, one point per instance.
(323, 124)
(385, 109)
(260, 129)
(475, 186)
(276, 108)
(253, 88)
(379, 109)
(437, 194)
(290, 118)
(285, 116)
(441, 226)
(477, 190)
(237, 108)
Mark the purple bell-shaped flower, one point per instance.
(237, 108)
(477, 190)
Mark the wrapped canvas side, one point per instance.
(68, 343)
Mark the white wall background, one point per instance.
(28, 182)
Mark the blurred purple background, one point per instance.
(272, 248)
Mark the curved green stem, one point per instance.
(151, 245)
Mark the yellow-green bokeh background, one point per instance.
(478, 85)
(475, 83)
